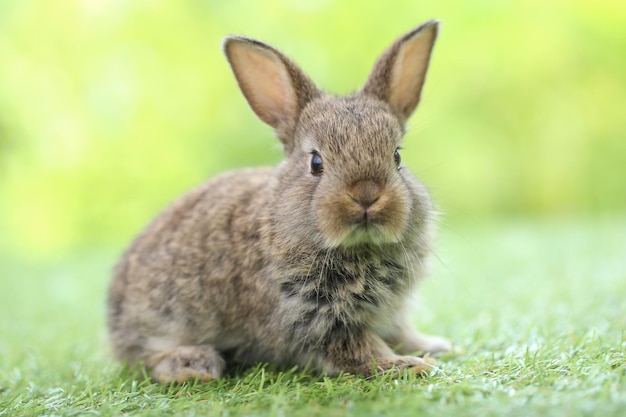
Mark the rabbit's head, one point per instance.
(343, 184)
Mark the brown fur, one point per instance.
(285, 265)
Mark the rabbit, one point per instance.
(311, 263)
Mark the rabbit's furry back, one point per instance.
(310, 263)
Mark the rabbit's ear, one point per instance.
(275, 87)
(399, 73)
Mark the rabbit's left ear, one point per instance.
(398, 75)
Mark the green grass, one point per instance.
(537, 309)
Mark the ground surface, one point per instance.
(537, 310)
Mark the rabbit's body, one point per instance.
(310, 263)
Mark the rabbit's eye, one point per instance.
(396, 156)
(317, 165)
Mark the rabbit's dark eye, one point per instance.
(317, 165)
(396, 156)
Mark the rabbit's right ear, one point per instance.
(276, 88)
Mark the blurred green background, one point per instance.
(110, 109)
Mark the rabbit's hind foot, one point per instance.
(185, 363)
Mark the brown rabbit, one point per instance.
(311, 263)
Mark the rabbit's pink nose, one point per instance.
(365, 193)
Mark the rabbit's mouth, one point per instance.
(355, 222)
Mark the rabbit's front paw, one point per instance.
(186, 363)
(404, 363)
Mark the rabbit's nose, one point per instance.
(365, 193)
